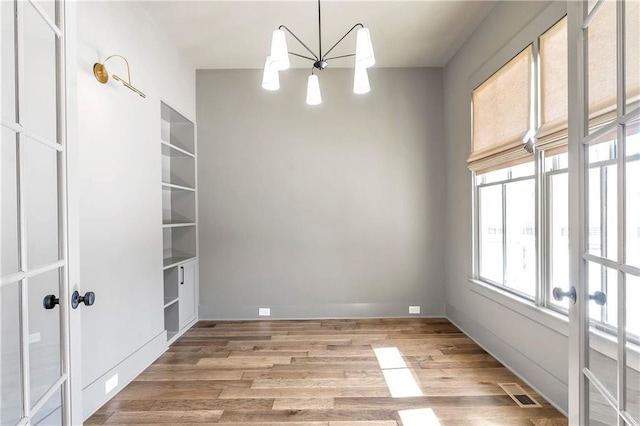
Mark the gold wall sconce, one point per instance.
(101, 74)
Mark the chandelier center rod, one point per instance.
(319, 32)
(321, 61)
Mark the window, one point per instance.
(557, 199)
(507, 228)
(521, 209)
(521, 188)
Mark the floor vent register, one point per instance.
(522, 398)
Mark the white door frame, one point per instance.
(69, 381)
(577, 311)
(580, 376)
(73, 391)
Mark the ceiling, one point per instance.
(237, 34)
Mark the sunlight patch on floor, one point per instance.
(419, 417)
(389, 358)
(400, 381)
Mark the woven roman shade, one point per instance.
(501, 116)
(554, 92)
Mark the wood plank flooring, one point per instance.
(323, 373)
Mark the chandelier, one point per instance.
(278, 60)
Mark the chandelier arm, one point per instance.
(341, 56)
(299, 41)
(301, 56)
(342, 38)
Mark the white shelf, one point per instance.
(179, 212)
(170, 150)
(169, 186)
(170, 262)
(168, 301)
(177, 224)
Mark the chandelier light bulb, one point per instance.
(270, 77)
(364, 50)
(279, 53)
(313, 91)
(360, 81)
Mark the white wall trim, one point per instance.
(315, 311)
(93, 395)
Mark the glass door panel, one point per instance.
(51, 412)
(601, 413)
(632, 170)
(41, 194)
(603, 209)
(39, 114)
(632, 347)
(10, 379)
(8, 204)
(602, 279)
(49, 8)
(603, 353)
(601, 65)
(8, 63)
(44, 334)
(632, 53)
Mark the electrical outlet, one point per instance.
(264, 312)
(111, 384)
(414, 309)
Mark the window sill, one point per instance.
(552, 320)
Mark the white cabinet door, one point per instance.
(187, 292)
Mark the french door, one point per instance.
(604, 379)
(35, 313)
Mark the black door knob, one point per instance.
(599, 297)
(88, 299)
(50, 301)
(558, 294)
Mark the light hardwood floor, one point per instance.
(323, 373)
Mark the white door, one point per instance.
(35, 312)
(604, 380)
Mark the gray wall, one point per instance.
(532, 343)
(329, 211)
(120, 206)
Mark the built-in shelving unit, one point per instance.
(179, 221)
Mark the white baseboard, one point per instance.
(93, 395)
(319, 311)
